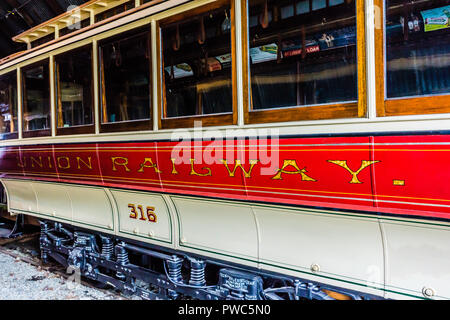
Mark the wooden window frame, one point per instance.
(430, 104)
(131, 125)
(305, 112)
(41, 132)
(79, 129)
(220, 119)
(14, 134)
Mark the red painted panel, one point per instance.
(197, 168)
(397, 174)
(321, 183)
(420, 164)
(77, 162)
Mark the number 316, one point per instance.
(151, 215)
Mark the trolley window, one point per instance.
(416, 55)
(36, 100)
(125, 82)
(8, 106)
(304, 56)
(74, 92)
(198, 67)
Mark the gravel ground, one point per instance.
(22, 281)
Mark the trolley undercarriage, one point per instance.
(155, 274)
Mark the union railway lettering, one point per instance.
(122, 164)
(343, 164)
(48, 162)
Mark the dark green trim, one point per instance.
(73, 186)
(287, 268)
(293, 210)
(146, 238)
(316, 211)
(51, 217)
(309, 273)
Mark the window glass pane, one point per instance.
(36, 98)
(319, 4)
(126, 79)
(283, 74)
(74, 76)
(8, 103)
(417, 48)
(287, 12)
(336, 2)
(197, 65)
(303, 7)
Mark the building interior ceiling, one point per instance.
(17, 16)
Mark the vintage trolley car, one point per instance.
(237, 149)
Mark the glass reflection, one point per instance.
(302, 52)
(197, 65)
(125, 78)
(417, 48)
(36, 98)
(8, 103)
(74, 79)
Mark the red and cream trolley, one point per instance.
(237, 149)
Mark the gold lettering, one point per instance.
(49, 162)
(151, 215)
(194, 173)
(174, 170)
(123, 163)
(292, 163)
(238, 164)
(20, 163)
(142, 213)
(39, 163)
(343, 164)
(151, 165)
(67, 166)
(133, 214)
(88, 165)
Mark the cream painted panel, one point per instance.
(91, 206)
(340, 247)
(159, 230)
(331, 280)
(418, 257)
(218, 227)
(21, 195)
(53, 200)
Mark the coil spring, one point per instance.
(107, 248)
(197, 273)
(122, 254)
(122, 259)
(174, 269)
